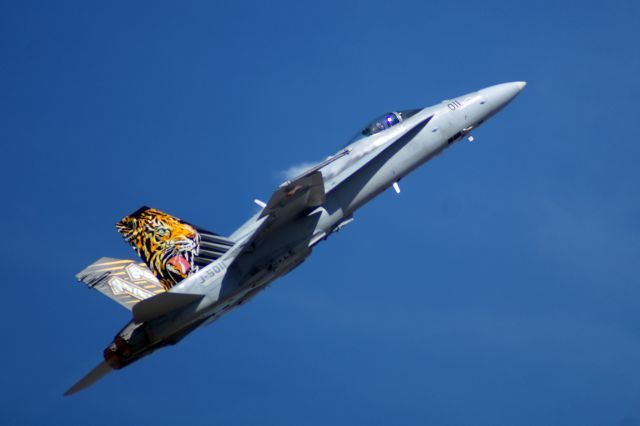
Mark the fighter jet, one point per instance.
(190, 277)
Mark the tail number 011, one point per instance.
(207, 276)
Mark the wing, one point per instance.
(292, 197)
(307, 191)
(290, 200)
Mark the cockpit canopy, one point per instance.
(387, 120)
(381, 123)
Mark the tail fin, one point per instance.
(124, 281)
(173, 249)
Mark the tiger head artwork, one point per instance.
(165, 243)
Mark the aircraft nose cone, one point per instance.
(500, 95)
(520, 84)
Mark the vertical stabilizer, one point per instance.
(171, 248)
(125, 281)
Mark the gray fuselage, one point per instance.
(370, 165)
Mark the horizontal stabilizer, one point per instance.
(162, 304)
(171, 248)
(124, 281)
(93, 376)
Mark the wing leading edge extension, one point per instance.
(307, 191)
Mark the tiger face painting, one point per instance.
(165, 243)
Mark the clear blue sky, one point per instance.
(500, 288)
